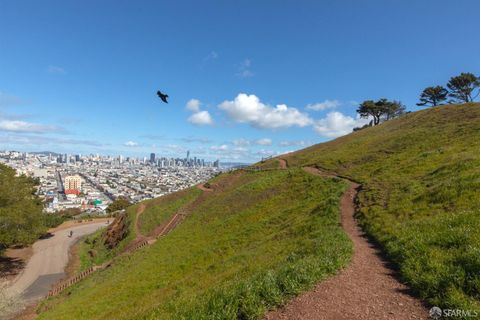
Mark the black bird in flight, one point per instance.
(162, 96)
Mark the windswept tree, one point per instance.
(393, 109)
(464, 88)
(433, 96)
(379, 110)
(369, 109)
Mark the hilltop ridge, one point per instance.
(421, 196)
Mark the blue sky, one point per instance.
(265, 77)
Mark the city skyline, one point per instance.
(154, 158)
(81, 77)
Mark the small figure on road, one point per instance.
(71, 233)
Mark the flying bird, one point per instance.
(162, 96)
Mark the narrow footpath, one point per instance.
(366, 289)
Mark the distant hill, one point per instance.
(252, 240)
(234, 165)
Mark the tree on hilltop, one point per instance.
(393, 109)
(369, 108)
(433, 96)
(381, 109)
(463, 87)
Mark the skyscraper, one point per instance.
(152, 157)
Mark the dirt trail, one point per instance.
(168, 225)
(366, 289)
(140, 210)
(202, 187)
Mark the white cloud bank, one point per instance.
(248, 109)
(327, 104)
(23, 126)
(336, 124)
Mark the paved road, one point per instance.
(46, 266)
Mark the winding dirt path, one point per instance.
(366, 289)
(140, 210)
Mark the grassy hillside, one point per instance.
(93, 250)
(421, 196)
(162, 209)
(255, 241)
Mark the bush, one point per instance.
(21, 217)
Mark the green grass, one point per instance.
(420, 197)
(163, 208)
(262, 239)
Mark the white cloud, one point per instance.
(248, 109)
(244, 70)
(327, 104)
(267, 153)
(23, 126)
(264, 142)
(174, 148)
(201, 118)
(211, 56)
(193, 105)
(290, 143)
(35, 140)
(131, 144)
(244, 142)
(56, 70)
(222, 147)
(336, 124)
(153, 136)
(195, 140)
(241, 142)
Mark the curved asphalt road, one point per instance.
(47, 264)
